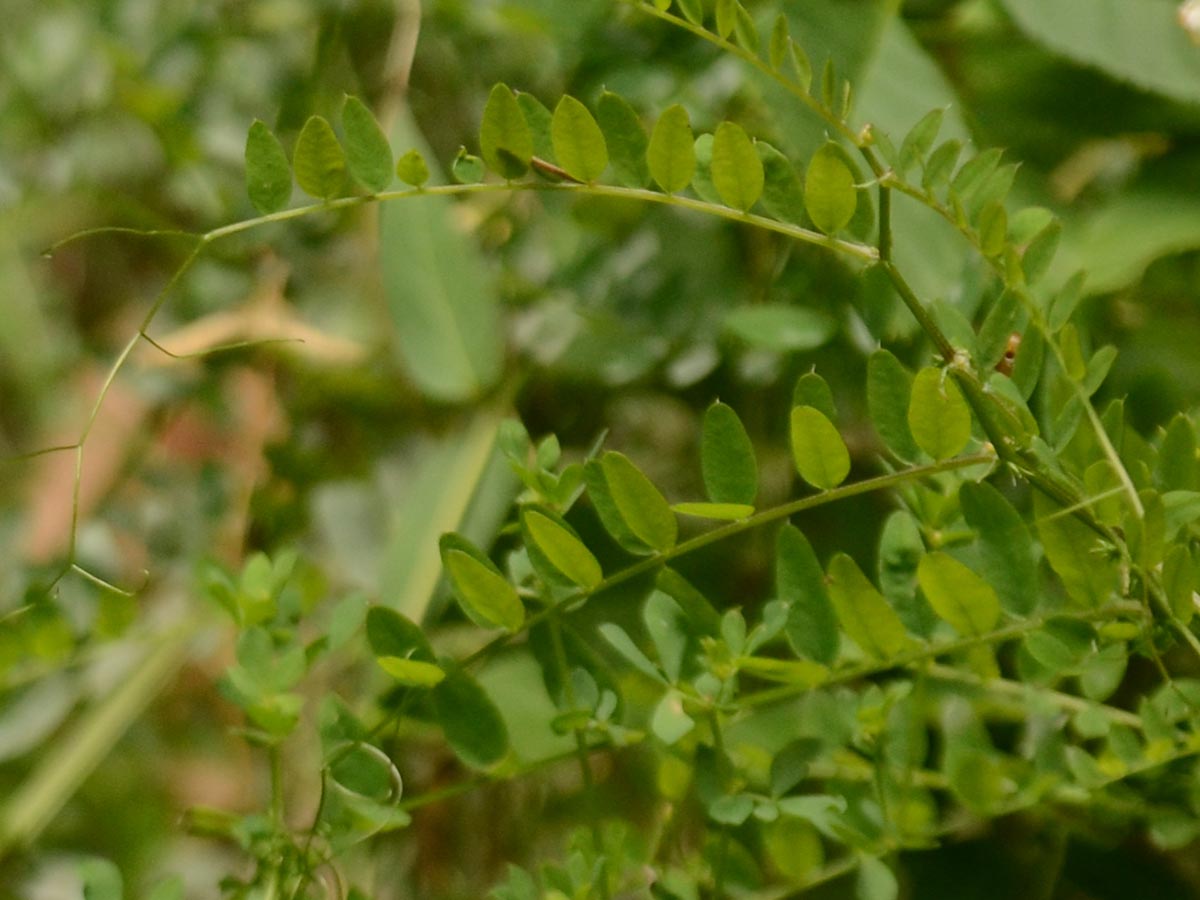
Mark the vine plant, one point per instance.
(895, 698)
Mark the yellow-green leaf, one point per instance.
(865, 615)
(938, 415)
(641, 506)
(268, 176)
(725, 511)
(829, 193)
(412, 169)
(626, 140)
(318, 160)
(411, 672)
(504, 136)
(480, 588)
(578, 142)
(958, 595)
(818, 450)
(562, 548)
(737, 172)
(671, 153)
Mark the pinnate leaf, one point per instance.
(818, 450)
(938, 415)
(318, 160)
(671, 153)
(829, 193)
(578, 142)
(737, 172)
(504, 136)
(368, 154)
(629, 505)
(625, 138)
(727, 458)
(268, 175)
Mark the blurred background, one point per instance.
(364, 427)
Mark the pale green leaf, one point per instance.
(727, 459)
(368, 154)
(268, 175)
(818, 450)
(561, 547)
(670, 723)
(318, 160)
(875, 880)
(938, 415)
(579, 144)
(737, 172)
(724, 511)
(671, 153)
(958, 595)
(781, 327)
(811, 627)
(411, 672)
(625, 138)
(505, 139)
(624, 645)
(865, 616)
(918, 142)
(829, 193)
(466, 168)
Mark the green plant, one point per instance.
(1040, 549)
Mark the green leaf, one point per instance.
(1075, 553)
(1141, 43)
(578, 142)
(889, 391)
(781, 327)
(783, 194)
(368, 154)
(777, 45)
(625, 138)
(811, 627)
(318, 160)
(940, 164)
(973, 173)
(919, 140)
(671, 154)
(561, 547)
(865, 616)
(1005, 544)
(484, 593)
(875, 880)
(608, 511)
(1040, 252)
(700, 612)
(901, 548)
(391, 634)
(625, 645)
(641, 506)
(693, 10)
(737, 172)
(958, 595)
(466, 168)
(745, 30)
(411, 672)
(443, 304)
(504, 136)
(667, 626)
(1177, 469)
(470, 720)
(726, 17)
(411, 168)
(541, 124)
(724, 511)
(268, 175)
(829, 193)
(812, 390)
(670, 723)
(818, 450)
(727, 458)
(101, 880)
(938, 415)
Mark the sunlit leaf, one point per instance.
(818, 450)
(560, 546)
(268, 175)
(958, 595)
(723, 511)
(578, 142)
(411, 168)
(829, 193)
(411, 672)
(671, 154)
(318, 160)
(642, 507)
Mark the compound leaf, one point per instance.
(671, 153)
(268, 175)
(578, 141)
(368, 154)
(505, 139)
(318, 160)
